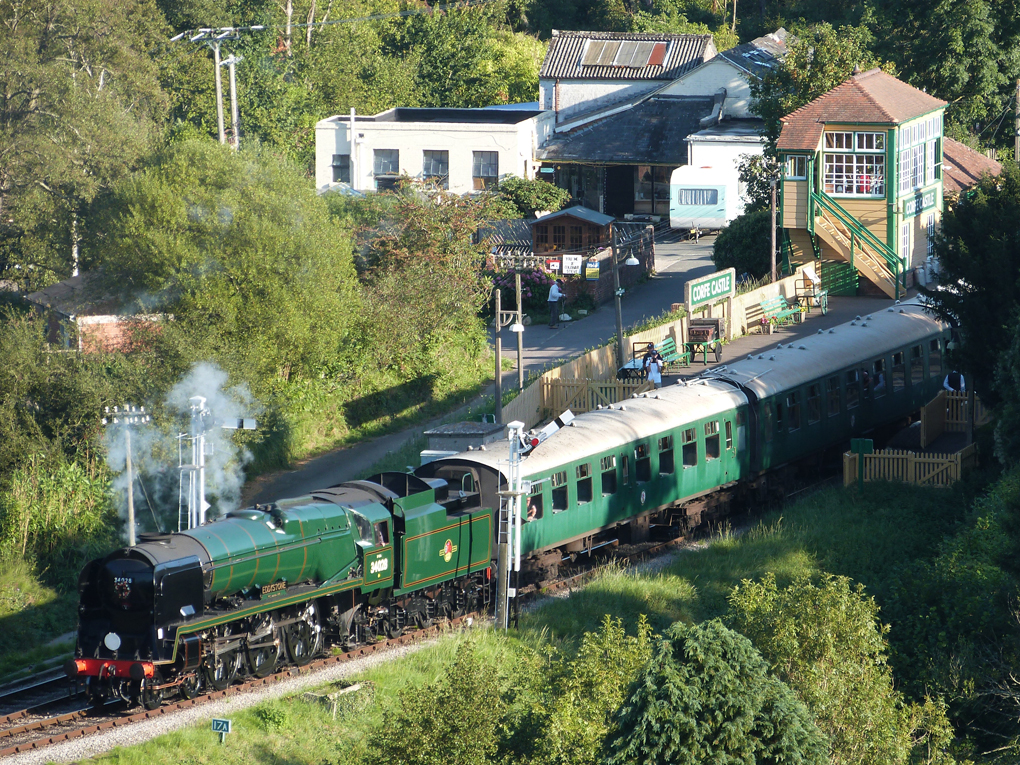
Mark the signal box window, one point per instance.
(690, 447)
(878, 382)
(559, 491)
(712, 440)
(916, 365)
(814, 403)
(832, 390)
(584, 483)
(899, 372)
(793, 407)
(729, 435)
(642, 464)
(536, 505)
(666, 455)
(853, 389)
(608, 467)
(935, 358)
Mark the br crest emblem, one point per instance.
(448, 550)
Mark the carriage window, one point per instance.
(779, 417)
(935, 358)
(740, 418)
(878, 378)
(666, 455)
(899, 372)
(608, 466)
(916, 365)
(536, 504)
(814, 403)
(642, 464)
(832, 389)
(559, 491)
(729, 435)
(690, 447)
(584, 483)
(793, 407)
(625, 468)
(712, 440)
(766, 421)
(853, 389)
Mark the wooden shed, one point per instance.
(575, 229)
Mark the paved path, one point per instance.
(543, 347)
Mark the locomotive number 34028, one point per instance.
(377, 566)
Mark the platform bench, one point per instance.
(777, 312)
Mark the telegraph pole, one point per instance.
(219, 90)
(131, 415)
(235, 127)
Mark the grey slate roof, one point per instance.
(761, 54)
(683, 53)
(651, 132)
(577, 211)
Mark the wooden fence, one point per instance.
(948, 412)
(933, 419)
(909, 467)
(586, 395)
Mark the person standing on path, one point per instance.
(555, 297)
(653, 363)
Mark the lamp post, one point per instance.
(130, 415)
(503, 319)
(772, 183)
(618, 293)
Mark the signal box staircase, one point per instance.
(830, 222)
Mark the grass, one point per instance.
(31, 615)
(865, 535)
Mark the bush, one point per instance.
(535, 285)
(744, 245)
(530, 196)
(707, 696)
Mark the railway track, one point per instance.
(45, 723)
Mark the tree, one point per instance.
(706, 696)
(756, 171)
(528, 197)
(744, 244)
(825, 642)
(451, 721)
(82, 103)
(238, 247)
(978, 249)
(820, 58)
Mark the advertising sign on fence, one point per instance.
(706, 290)
(591, 271)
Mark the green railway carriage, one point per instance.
(668, 456)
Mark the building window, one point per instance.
(911, 169)
(839, 140)
(930, 229)
(436, 166)
(385, 168)
(870, 141)
(929, 162)
(698, 197)
(796, 168)
(542, 234)
(905, 241)
(576, 237)
(484, 169)
(559, 236)
(341, 168)
(860, 175)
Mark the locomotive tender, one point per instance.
(345, 565)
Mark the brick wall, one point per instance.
(643, 248)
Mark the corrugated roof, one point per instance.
(962, 167)
(869, 97)
(761, 54)
(651, 132)
(563, 60)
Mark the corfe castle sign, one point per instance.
(706, 290)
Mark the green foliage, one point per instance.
(756, 171)
(241, 251)
(978, 249)
(271, 716)
(744, 244)
(826, 642)
(706, 696)
(526, 197)
(589, 692)
(450, 721)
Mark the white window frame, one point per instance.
(905, 242)
(839, 141)
(929, 162)
(854, 175)
(796, 167)
(930, 228)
